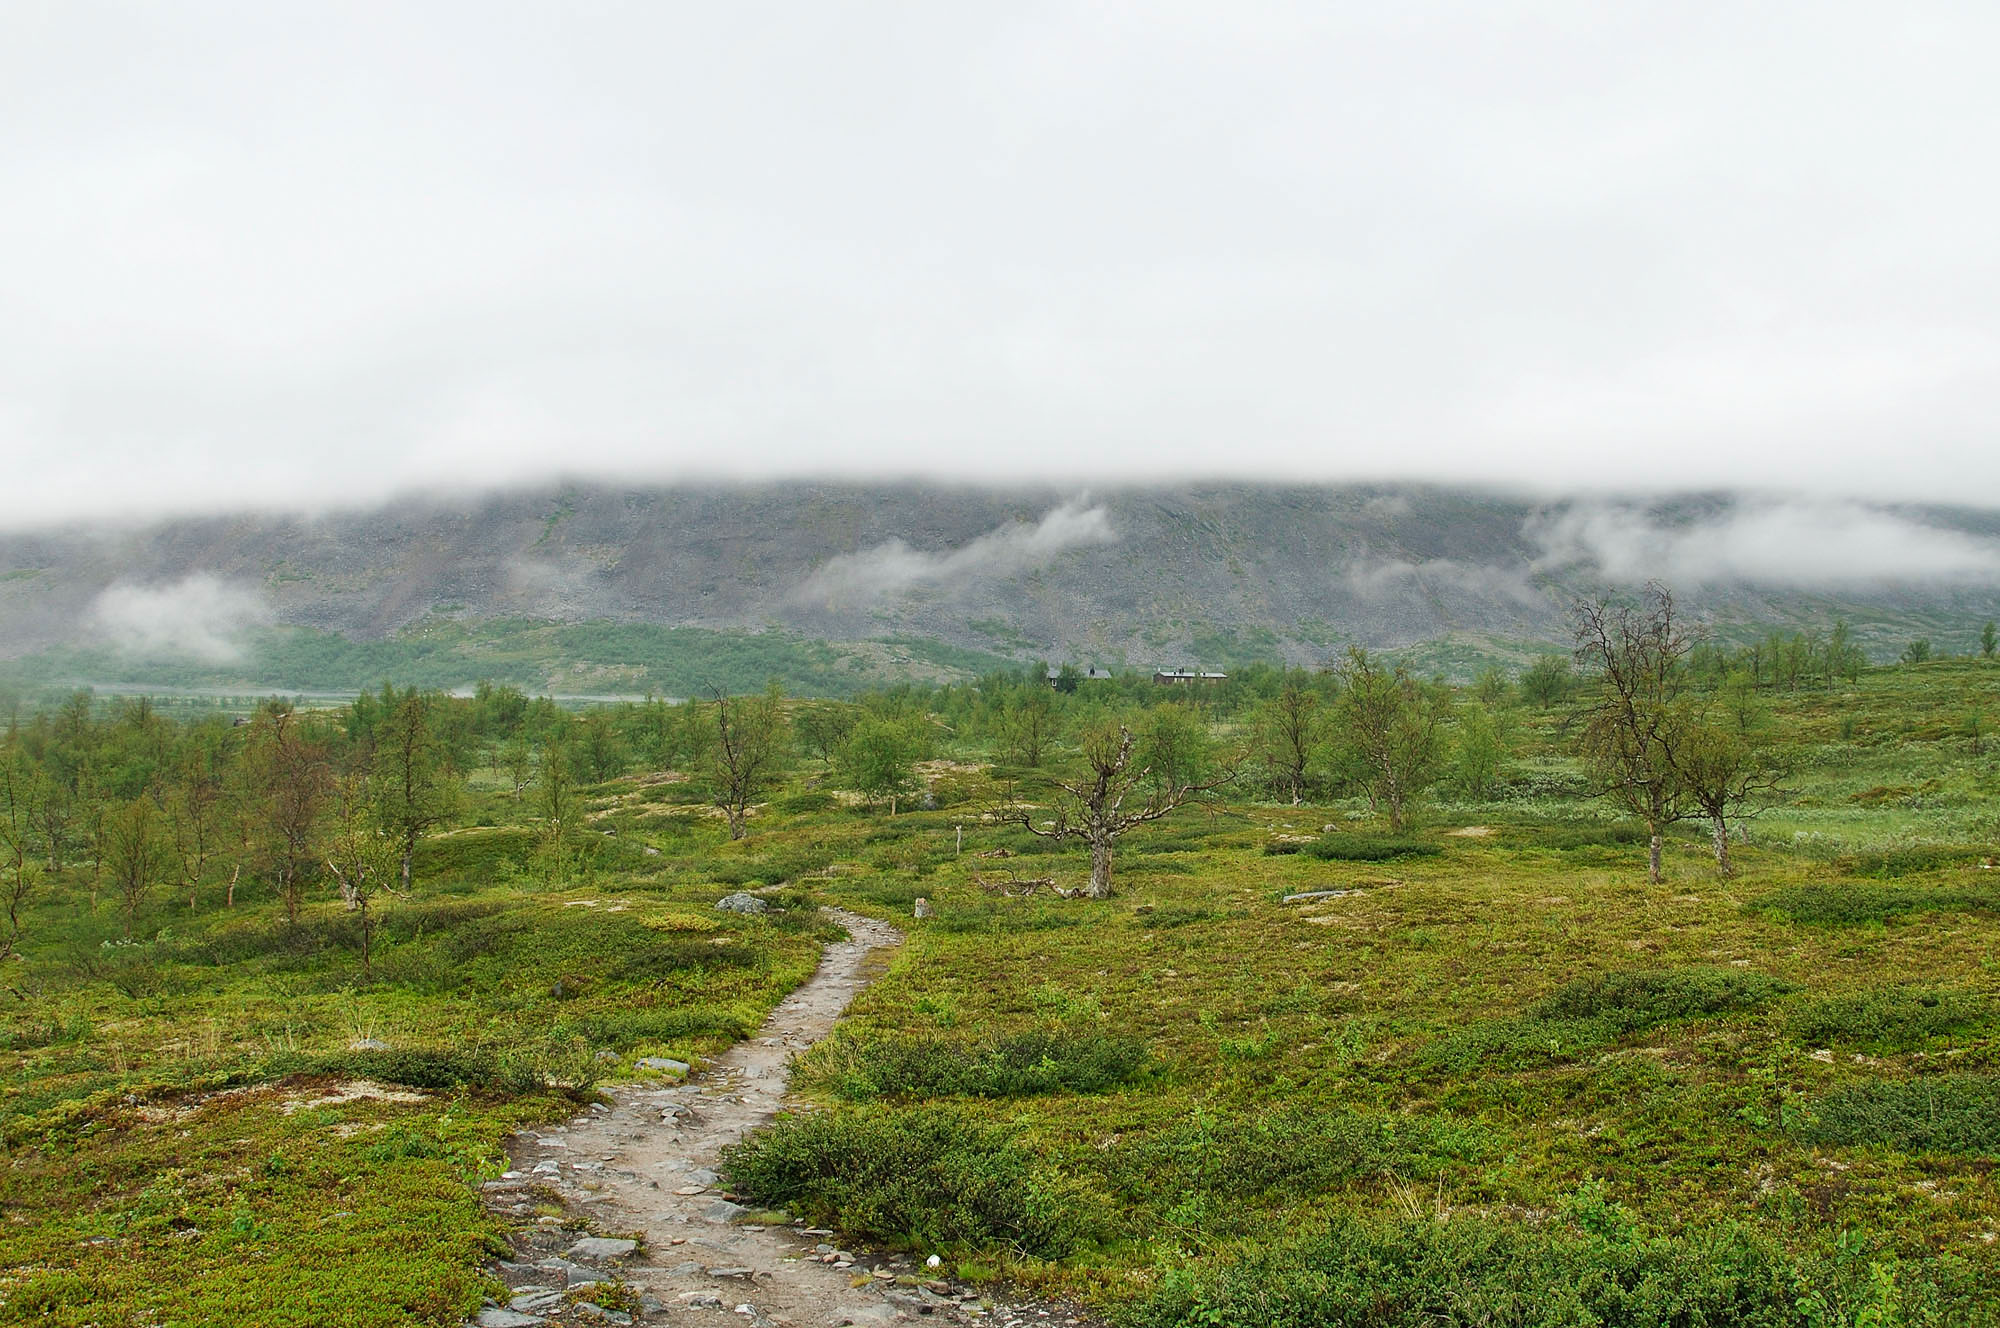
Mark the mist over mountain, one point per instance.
(953, 578)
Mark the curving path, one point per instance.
(646, 1165)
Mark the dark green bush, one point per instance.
(1853, 902)
(1596, 1269)
(1953, 1113)
(1017, 1065)
(1287, 1153)
(1627, 1002)
(1596, 1011)
(1369, 848)
(1165, 918)
(1886, 1019)
(1616, 835)
(800, 804)
(1281, 848)
(929, 1175)
(1888, 864)
(625, 1027)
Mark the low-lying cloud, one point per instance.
(199, 616)
(894, 566)
(1804, 544)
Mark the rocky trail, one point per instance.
(644, 1166)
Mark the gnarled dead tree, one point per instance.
(1114, 794)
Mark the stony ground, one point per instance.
(648, 1235)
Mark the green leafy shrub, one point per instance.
(626, 1026)
(1851, 903)
(1629, 1001)
(1886, 1019)
(1616, 835)
(1595, 1011)
(804, 804)
(928, 1175)
(1953, 1113)
(1287, 1152)
(1595, 1268)
(1369, 848)
(1017, 1065)
(1913, 860)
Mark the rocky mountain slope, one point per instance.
(1192, 574)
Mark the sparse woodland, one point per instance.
(1652, 984)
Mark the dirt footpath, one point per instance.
(646, 1166)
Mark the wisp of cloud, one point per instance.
(894, 566)
(1808, 544)
(198, 616)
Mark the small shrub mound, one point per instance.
(1886, 1019)
(1018, 1065)
(1288, 1152)
(1617, 835)
(1369, 848)
(1855, 902)
(1594, 1011)
(927, 1176)
(1628, 1002)
(1597, 1269)
(1888, 864)
(1953, 1113)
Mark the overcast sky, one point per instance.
(286, 254)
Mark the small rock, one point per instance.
(934, 1262)
(665, 1063)
(702, 1176)
(742, 903)
(923, 908)
(498, 1318)
(536, 1301)
(723, 1211)
(696, 1300)
(368, 1044)
(733, 1271)
(601, 1247)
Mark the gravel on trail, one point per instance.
(644, 1165)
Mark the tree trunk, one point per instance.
(1100, 868)
(367, 936)
(735, 815)
(229, 900)
(409, 852)
(1720, 829)
(1653, 855)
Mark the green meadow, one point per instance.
(1486, 1073)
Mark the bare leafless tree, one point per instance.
(1100, 805)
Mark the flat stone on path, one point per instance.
(600, 1247)
(494, 1317)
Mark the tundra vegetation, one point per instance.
(1542, 1000)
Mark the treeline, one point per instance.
(119, 801)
